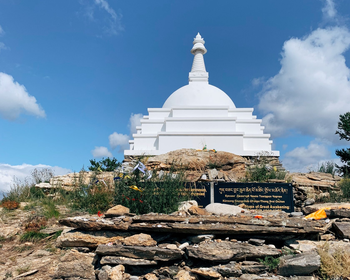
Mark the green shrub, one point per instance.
(92, 198)
(263, 173)
(36, 193)
(270, 262)
(50, 209)
(105, 164)
(142, 195)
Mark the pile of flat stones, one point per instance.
(192, 244)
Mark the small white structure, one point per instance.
(200, 115)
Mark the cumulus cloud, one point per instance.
(16, 100)
(22, 172)
(312, 87)
(119, 140)
(122, 140)
(304, 159)
(135, 120)
(100, 152)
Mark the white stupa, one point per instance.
(200, 115)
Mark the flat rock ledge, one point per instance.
(273, 226)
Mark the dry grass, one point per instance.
(334, 264)
(10, 205)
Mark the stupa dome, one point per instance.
(198, 94)
(199, 115)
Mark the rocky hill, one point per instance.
(192, 243)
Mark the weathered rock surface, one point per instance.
(226, 251)
(302, 264)
(76, 238)
(224, 209)
(302, 245)
(342, 229)
(75, 265)
(115, 273)
(313, 179)
(95, 223)
(206, 273)
(195, 210)
(118, 210)
(281, 227)
(71, 180)
(140, 240)
(185, 275)
(232, 269)
(185, 205)
(8, 231)
(138, 252)
(334, 206)
(113, 260)
(198, 160)
(338, 213)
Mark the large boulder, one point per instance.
(75, 265)
(199, 160)
(302, 264)
(118, 210)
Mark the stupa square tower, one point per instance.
(200, 115)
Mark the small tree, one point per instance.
(105, 164)
(344, 133)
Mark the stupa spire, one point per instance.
(198, 72)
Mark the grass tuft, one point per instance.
(270, 262)
(32, 236)
(334, 265)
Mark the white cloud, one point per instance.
(304, 159)
(16, 100)
(122, 140)
(119, 139)
(100, 152)
(22, 173)
(312, 87)
(329, 11)
(135, 120)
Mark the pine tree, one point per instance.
(344, 133)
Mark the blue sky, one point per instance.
(75, 72)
